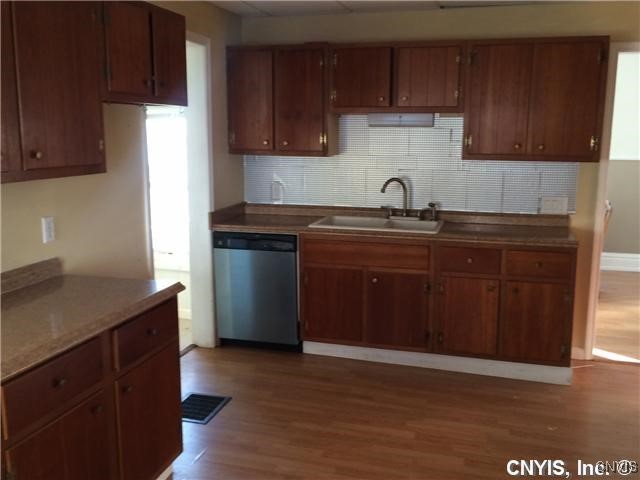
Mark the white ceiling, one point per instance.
(267, 8)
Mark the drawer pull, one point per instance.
(285, 143)
(59, 383)
(404, 98)
(470, 260)
(97, 410)
(127, 388)
(374, 280)
(381, 98)
(517, 146)
(152, 332)
(265, 142)
(539, 264)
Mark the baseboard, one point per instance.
(621, 262)
(477, 366)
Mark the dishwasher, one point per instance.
(256, 289)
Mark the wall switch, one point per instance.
(48, 229)
(554, 205)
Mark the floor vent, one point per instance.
(198, 408)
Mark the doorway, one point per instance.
(181, 197)
(617, 323)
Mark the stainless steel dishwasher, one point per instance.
(256, 288)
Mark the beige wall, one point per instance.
(623, 190)
(620, 20)
(101, 219)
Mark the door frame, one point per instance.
(601, 195)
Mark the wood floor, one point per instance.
(618, 316)
(297, 416)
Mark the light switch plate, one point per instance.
(554, 205)
(48, 229)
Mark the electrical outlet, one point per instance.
(48, 229)
(554, 205)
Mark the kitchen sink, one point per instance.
(376, 224)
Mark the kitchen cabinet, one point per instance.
(149, 415)
(108, 405)
(397, 308)
(536, 326)
(10, 152)
(75, 447)
(299, 101)
(145, 54)
(468, 315)
(56, 46)
(332, 303)
(428, 77)
(537, 99)
(360, 77)
(250, 100)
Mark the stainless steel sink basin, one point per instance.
(376, 224)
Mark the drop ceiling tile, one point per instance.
(299, 8)
(372, 6)
(239, 8)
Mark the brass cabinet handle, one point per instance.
(404, 98)
(285, 143)
(374, 280)
(265, 142)
(541, 147)
(59, 382)
(381, 98)
(152, 332)
(37, 154)
(470, 260)
(517, 146)
(127, 388)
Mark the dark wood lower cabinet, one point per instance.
(397, 309)
(75, 447)
(536, 323)
(332, 303)
(149, 415)
(468, 315)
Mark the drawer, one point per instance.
(469, 260)
(145, 333)
(48, 387)
(415, 257)
(529, 263)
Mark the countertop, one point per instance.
(519, 234)
(46, 318)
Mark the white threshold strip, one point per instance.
(598, 352)
(620, 262)
(477, 366)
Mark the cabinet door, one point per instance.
(79, 446)
(299, 102)
(128, 48)
(566, 99)
(58, 64)
(497, 100)
(397, 309)
(149, 415)
(332, 303)
(468, 314)
(361, 77)
(250, 99)
(169, 57)
(10, 153)
(428, 76)
(536, 325)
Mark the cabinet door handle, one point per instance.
(404, 98)
(541, 147)
(285, 143)
(374, 280)
(265, 142)
(146, 82)
(152, 332)
(517, 146)
(491, 287)
(97, 410)
(381, 98)
(58, 383)
(539, 264)
(470, 260)
(127, 388)
(37, 155)
(440, 337)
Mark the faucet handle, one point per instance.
(433, 205)
(389, 209)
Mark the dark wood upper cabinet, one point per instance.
(536, 322)
(332, 303)
(497, 100)
(299, 100)
(250, 100)
(145, 54)
(428, 77)
(149, 415)
(397, 309)
(57, 59)
(535, 99)
(468, 311)
(10, 153)
(566, 99)
(361, 77)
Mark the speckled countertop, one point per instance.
(46, 318)
(533, 230)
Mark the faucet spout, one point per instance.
(404, 192)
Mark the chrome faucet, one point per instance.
(404, 192)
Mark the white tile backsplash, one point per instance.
(428, 158)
